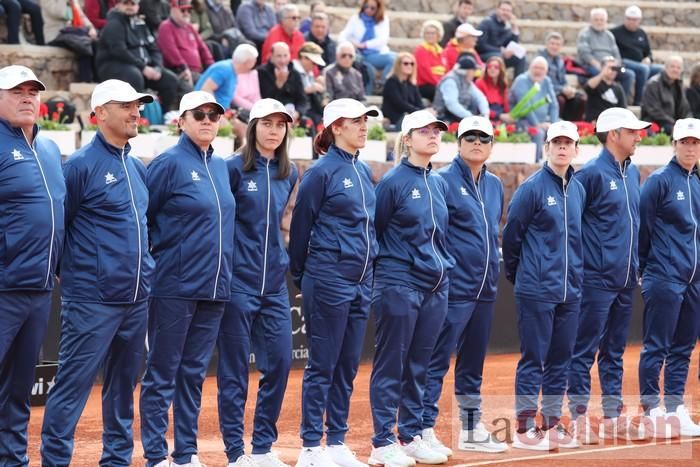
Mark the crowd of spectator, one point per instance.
(244, 51)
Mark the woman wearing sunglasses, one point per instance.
(190, 216)
(409, 299)
(262, 178)
(332, 247)
(475, 205)
(401, 95)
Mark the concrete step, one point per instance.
(54, 66)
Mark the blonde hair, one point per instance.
(400, 148)
(431, 23)
(397, 66)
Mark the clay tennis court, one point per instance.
(498, 378)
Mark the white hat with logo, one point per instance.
(265, 107)
(420, 119)
(466, 29)
(14, 75)
(194, 99)
(114, 90)
(475, 123)
(345, 108)
(617, 117)
(686, 128)
(562, 128)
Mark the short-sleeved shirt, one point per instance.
(225, 78)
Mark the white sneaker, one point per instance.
(243, 461)
(315, 457)
(390, 456)
(422, 452)
(480, 440)
(343, 456)
(269, 459)
(687, 426)
(583, 431)
(435, 444)
(194, 462)
(563, 438)
(661, 426)
(534, 439)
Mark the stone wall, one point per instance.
(54, 66)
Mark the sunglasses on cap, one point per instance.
(483, 138)
(200, 115)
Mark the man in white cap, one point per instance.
(464, 42)
(669, 240)
(543, 257)
(610, 229)
(635, 50)
(105, 281)
(31, 200)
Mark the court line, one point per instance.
(575, 452)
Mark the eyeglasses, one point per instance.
(482, 137)
(407, 63)
(186, 11)
(494, 66)
(347, 56)
(200, 115)
(370, 7)
(294, 18)
(425, 131)
(129, 2)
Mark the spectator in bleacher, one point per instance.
(401, 96)
(317, 6)
(463, 43)
(247, 92)
(127, 51)
(256, 18)
(368, 31)
(494, 85)
(287, 31)
(571, 101)
(457, 96)
(184, 51)
(14, 9)
(430, 61)
(319, 34)
(664, 101)
(308, 64)
(602, 91)
(692, 93)
(96, 11)
(223, 78)
(199, 18)
(463, 10)
(154, 13)
(540, 117)
(594, 42)
(635, 50)
(342, 79)
(279, 80)
(500, 29)
(224, 26)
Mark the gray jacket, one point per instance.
(592, 44)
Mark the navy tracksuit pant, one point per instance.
(265, 324)
(408, 324)
(603, 327)
(671, 317)
(547, 336)
(181, 339)
(95, 335)
(24, 317)
(467, 328)
(335, 316)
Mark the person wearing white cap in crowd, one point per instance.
(309, 62)
(332, 246)
(475, 204)
(669, 240)
(543, 257)
(610, 230)
(635, 50)
(257, 315)
(464, 42)
(105, 281)
(31, 199)
(409, 299)
(190, 219)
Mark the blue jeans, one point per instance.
(642, 72)
(384, 62)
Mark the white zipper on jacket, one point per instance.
(138, 226)
(267, 228)
(695, 230)
(488, 243)
(364, 206)
(565, 189)
(629, 213)
(218, 205)
(53, 215)
(432, 235)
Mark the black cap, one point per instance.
(466, 62)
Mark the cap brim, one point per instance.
(686, 134)
(218, 107)
(7, 87)
(463, 132)
(557, 135)
(636, 125)
(315, 58)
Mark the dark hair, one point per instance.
(502, 79)
(379, 14)
(324, 140)
(281, 153)
(464, 2)
(506, 2)
(695, 75)
(603, 136)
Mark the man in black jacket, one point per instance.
(279, 80)
(499, 30)
(127, 51)
(462, 12)
(664, 101)
(319, 35)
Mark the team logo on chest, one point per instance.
(415, 194)
(110, 178)
(463, 191)
(347, 183)
(16, 155)
(195, 176)
(613, 185)
(252, 186)
(551, 201)
(680, 196)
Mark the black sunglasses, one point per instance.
(472, 137)
(200, 115)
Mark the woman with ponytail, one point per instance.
(332, 247)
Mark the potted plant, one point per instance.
(88, 132)
(223, 143)
(375, 148)
(300, 144)
(512, 145)
(55, 128)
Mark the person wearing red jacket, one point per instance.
(96, 11)
(431, 63)
(184, 51)
(494, 85)
(287, 31)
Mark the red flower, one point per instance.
(59, 106)
(43, 110)
(143, 121)
(93, 119)
(654, 128)
(496, 132)
(532, 131)
(643, 133)
(452, 128)
(319, 127)
(228, 114)
(54, 116)
(510, 128)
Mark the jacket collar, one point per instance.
(569, 173)
(263, 161)
(191, 148)
(341, 154)
(467, 171)
(415, 168)
(674, 163)
(608, 157)
(9, 130)
(100, 141)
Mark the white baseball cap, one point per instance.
(633, 11)
(420, 119)
(466, 29)
(617, 117)
(562, 128)
(475, 123)
(194, 99)
(345, 108)
(114, 90)
(686, 128)
(265, 107)
(14, 75)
